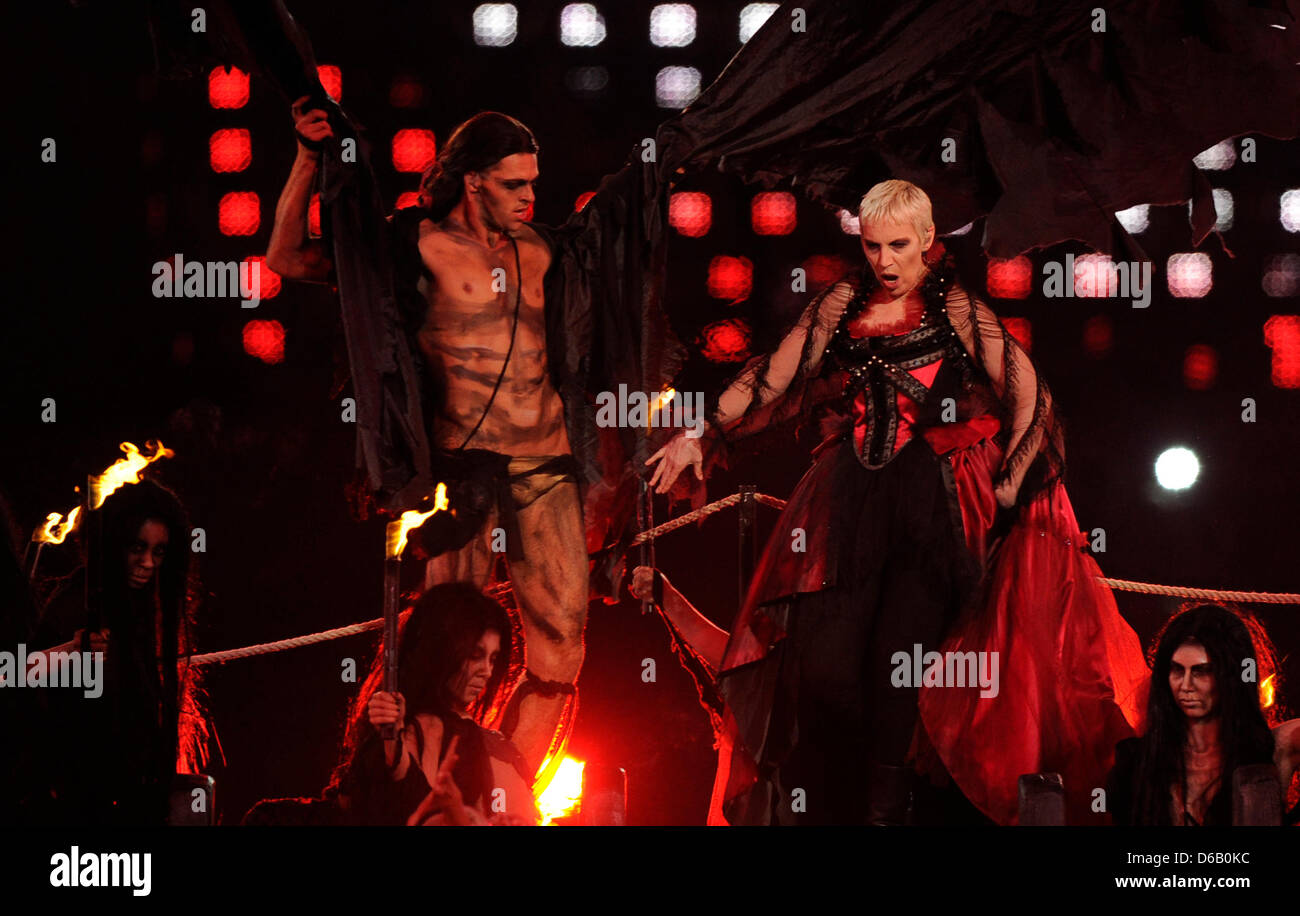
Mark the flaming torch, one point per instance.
(54, 531)
(1267, 694)
(395, 543)
(100, 487)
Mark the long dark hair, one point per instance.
(124, 512)
(434, 638)
(478, 144)
(1243, 730)
(139, 653)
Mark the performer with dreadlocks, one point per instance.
(936, 490)
(1204, 719)
(112, 759)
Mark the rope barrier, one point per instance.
(1211, 594)
(296, 642)
(502, 589)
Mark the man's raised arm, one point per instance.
(292, 253)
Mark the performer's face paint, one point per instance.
(896, 254)
(1191, 679)
(474, 672)
(505, 192)
(145, 555)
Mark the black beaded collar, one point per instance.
(880, 365)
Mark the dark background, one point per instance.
(262, 457)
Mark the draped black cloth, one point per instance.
(1056, 124)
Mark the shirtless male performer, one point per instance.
(484, 345)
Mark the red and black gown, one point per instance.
(894, 539)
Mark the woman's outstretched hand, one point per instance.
(680, 453)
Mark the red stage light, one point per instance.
(227, 88)
(269, 279)
(1010, 278)
(408, 199)
(824, 269)
(331, 78)
(240, 213)
(313, 216)
(1098, 336)
(406, 92)
(1282, 334)
(414, 149)
(726, 341)
(265, 340)
(773, 213)
(730, 278)
(1022, 331)
(584, 197)
(1200, 367)
(230, 149)
(690, 213)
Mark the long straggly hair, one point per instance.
(435, 636)
(478, 144)
(1230, 642)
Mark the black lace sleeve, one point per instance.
(1034, 453)
(778, 386)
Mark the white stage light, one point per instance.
(752, 18)
(581, 25)
(1290, 210)
(677, 87)
(1135, 220)
(1177, 468)
(1218, 157)
(1222, 209)
(672, 25)
(495, 24)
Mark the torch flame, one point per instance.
(1266, 693)
(125, 470)
(563, 792)
(56, 528)
(410, 520)
(662, 399)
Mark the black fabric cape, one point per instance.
(1057, 125)
(1058, 121)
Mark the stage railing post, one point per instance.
(748, 540)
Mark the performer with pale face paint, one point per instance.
(940, 455)
(1203, 721)
(444, 767)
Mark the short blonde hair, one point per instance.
(896, 200)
